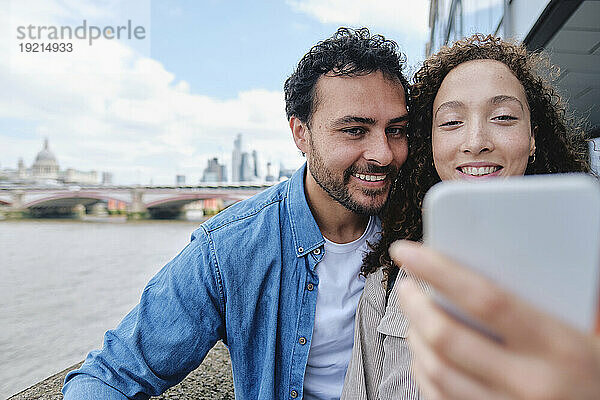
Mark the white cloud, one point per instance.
(109, 108)
(392, 15)
(404, 21)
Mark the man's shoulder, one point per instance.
(246, 210)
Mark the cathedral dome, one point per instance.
(45, 165)
(45, 157)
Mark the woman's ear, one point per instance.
(532, 140)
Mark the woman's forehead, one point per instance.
(480, 80)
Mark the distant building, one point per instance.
(244, 165)
(256, 169)
(214, 172)
(247, 168)
(45, 165)
(74, 176)
(180, 180)
(107, 178)
(285, 173)
(45, 169)
(21, 170)
(269, 177)
(236, 159)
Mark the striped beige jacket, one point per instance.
(381, 360)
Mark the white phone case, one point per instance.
(537, 236)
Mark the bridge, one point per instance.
(133, 201)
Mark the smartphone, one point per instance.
(536, 236)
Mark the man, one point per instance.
(276, 277)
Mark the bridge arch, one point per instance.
(179, 201)
(69, 199)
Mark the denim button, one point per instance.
(302, 340)
(310, 286)
(317, 251)
(301, 249)
(294, 394)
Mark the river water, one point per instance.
(64, 283)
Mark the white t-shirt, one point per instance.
(339, 289)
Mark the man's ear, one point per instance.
(299, 133)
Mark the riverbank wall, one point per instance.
(211, 380)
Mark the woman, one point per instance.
(479, 109)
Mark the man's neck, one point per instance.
(336, 222)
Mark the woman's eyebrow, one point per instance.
(505, 98)
(449, 104)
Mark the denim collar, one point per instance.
(305, 231)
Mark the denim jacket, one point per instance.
(247, 278)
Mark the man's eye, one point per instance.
(354, 131)
(397, 131)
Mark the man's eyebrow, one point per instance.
(401, 118)
(449, 104)
(348, 119)
(503, 98)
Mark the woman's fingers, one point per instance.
(542, 358)
(513, 320)
(450, 354)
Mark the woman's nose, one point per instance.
(477, 139)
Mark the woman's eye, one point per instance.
(451, 123)
(505, 118)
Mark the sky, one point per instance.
(206, 70)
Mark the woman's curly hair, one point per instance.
(560, 143)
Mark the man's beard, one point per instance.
(339, 190)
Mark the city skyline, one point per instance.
(46, 169)
(149, 114)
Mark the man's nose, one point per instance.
(378, 149)
(477, 139)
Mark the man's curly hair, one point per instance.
(560, 143)
(349, 52)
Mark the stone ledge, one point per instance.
(211, 380)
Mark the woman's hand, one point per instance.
(539, 357)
